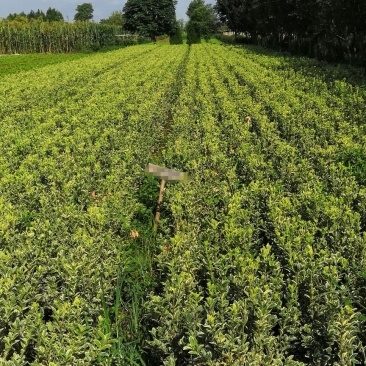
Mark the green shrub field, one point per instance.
(259, 260)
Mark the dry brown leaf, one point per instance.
(134, 234)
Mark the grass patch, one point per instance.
(214, 41)
(11, 64)
(125, 321)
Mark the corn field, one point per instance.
(57, 37)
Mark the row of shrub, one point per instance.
(232, 39)
(75, 138)
(264, 252)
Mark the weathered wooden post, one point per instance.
(166, 175)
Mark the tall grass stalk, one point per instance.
(56, 37)
(124, 319)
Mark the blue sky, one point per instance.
(102, 8)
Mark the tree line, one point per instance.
(331, 30)
(51, 15)
(153, 18)
(147, 18)
(84, 12)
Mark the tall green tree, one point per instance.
(53, 15)
(116, 18)
(31, 15)
(16, 16)
(39, 14)
(176, 37)
(231, 12)
(150, 18)
(202, 21)
(193, 35)
(84, 12)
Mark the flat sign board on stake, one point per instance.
(164, 174)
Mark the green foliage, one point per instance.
(150, 18)
(10, 64)
(355, 160)
(35, 15)
(259, 260)
(266, 235)
(75, 266)
(193, 35)
(21, 16)
(332, 30)
(115, 19)
(176, 36)
(53, 15)
(123, 320)
(202, 20)
(132, 41)
(84, 12)
(58, 37)
(232, 39)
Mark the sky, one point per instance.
(102, 8)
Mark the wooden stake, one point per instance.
(164, 174)
(160, 200)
